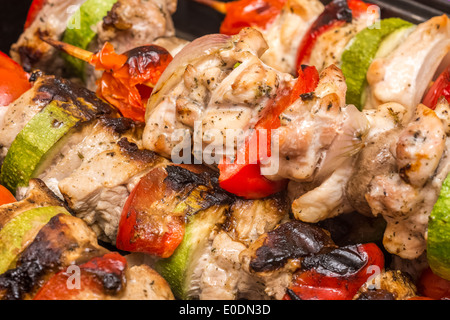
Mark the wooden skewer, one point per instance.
(68, 48)
(216, 5)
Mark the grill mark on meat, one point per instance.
(121, 125)
(79, 101)
(179, 178)
(291, 240)
(133, 151)
(40, 257)
(45, 255)
(29, 57)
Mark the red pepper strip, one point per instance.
(318, 285)
(245, 179)
(90, 281)
(140, 230)
(13, 80)
(35, 7)
(432, 286)
(441, 87)
(335, 14)
(250, 13)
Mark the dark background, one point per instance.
(194, 20)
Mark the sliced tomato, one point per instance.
(320, 284)
(35, 7)
(146, 224)
(13, 80)
(440, 88)
(97, 277)
(244, 178)
(250, 13)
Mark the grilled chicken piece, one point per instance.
(388, 285)
(133, 23)
(316, 203)
(403, 77)
(215, 83)
(220, 274)
(399, 175)
(319, 133)
(32, 53)
(82, 144)
(376, 157)
(144, 283)
(81, 102)
(285, 33)
(319, 139)
(97, 190)
(129, 24)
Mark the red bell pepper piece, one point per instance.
(318, 284)
(441, 87)
(139, 231)
(13, 80)
(245, 179)
(432, 286)
(35, 7)
(335, 14)
(90, 281)
(128, 79)
(6, 196)
(250, 13)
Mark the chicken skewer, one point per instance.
(220, 238)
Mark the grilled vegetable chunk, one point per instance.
(153, 219)
(21, 221)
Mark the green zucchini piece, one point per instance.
(19, 229)
(361, 51)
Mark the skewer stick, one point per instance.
(216, 5)
(68, 48)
